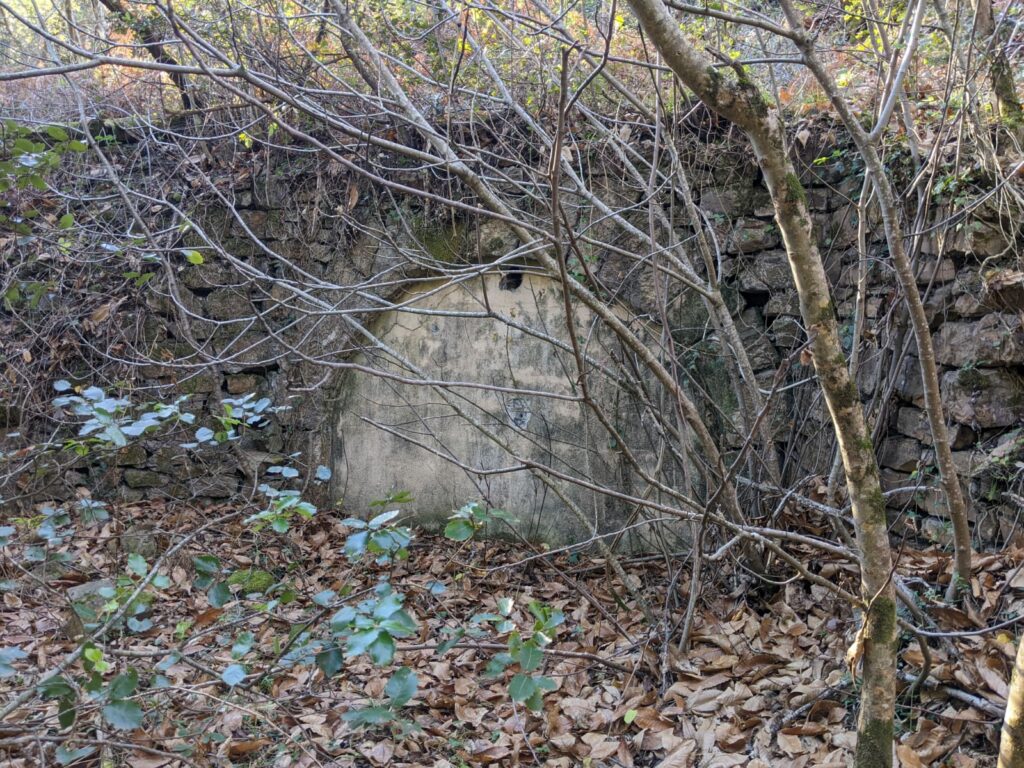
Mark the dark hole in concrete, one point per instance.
(511, 279)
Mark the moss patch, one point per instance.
(445, 243)
(874, 747)
(795, 189)
(252, 580)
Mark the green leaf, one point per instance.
(243, 644)
(139, 625)
(325, 598)
(342, 619)
(383, 519)
(522, 687)
(496, 666)
(123, 715)
(66, 712)
(137, 564)
(330, 661)
(452, 641)
(8, 655)
(92, 656)
(194, 257)
(530, 657)
(355, 545)
(67, 756)
(459, 530)
(233, 675)
(399, 624)
(161, 581)
(206, 565)
(630, 716)
(368, 716)
(536, 701)
(57, 133)
(401, 687)
(219, 594)
(77, 146)
(545, 683)
(387, 605)
(382, 650)
(56, 687)
(359, 642)
(66, 221)
(123, 686)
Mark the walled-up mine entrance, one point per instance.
(505, 407)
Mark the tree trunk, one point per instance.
(151, 41)
(1000, 71)
(866, 144)
(741, 102)
(1011, 743)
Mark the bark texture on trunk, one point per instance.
(1000, 71)
(1011, 742)
(740, 101)
(153, 44)
(894, 236)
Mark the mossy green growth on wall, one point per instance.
(446, 242)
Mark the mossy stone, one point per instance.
(252, 580)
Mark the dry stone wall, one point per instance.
(969, 274)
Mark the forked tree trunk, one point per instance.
(1000, 71)
(866, 144)
(152, 42)
(1011, 743)
(741, 102)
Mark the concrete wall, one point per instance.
(444, 445)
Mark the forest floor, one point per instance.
(766, 680)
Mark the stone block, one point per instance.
(243, 383)
(141, 539)
(1004, 288)
(764, 272)
(913, 422)
(821, 199)
(170, 460)
(752, 235)
(222, 486)
(837, 230)
(967, 463)
(909, 387)
(197, 382)
(726, 202)
(995, 339)
(982, 240)
(212, 273)
(787, 331)
(984, 397)
(868, 371)
(936, 271)
(785, 303)
(900, 453)
(938, 304)
(227, 304)
(937, 531)
(142, 478)
(131, 456)
(759, 349)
